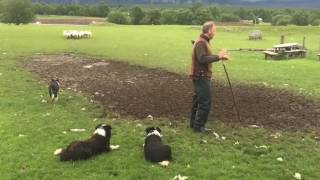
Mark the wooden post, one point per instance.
(304, 42)
(282, 39)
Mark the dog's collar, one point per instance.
(100, 131)
(154, 132)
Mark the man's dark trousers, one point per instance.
(201, 103)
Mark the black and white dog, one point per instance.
(97, 144)
(154, 150)
(54, 87)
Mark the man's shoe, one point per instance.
(202, 130)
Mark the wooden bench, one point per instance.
(270, 54)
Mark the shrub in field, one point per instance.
(184, 16)
(228, 17)
(152, 17)
(201, 16)
(117, 17)
(300, 18)
(136, 15)
(17, 11)
(315, 22)
(168, 17)
(281, 20)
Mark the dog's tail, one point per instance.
(63, 154)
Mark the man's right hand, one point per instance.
(223, 55)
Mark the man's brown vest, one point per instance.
(201, 70)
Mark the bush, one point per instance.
(226, 17)
(300, 18)
(201, 16)
(117, 17)
(168, 17)
(281, 20)
(17, 11)
(136, 15)
(315, 22)
(184, 16)
(152, 17)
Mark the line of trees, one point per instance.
(22, 11)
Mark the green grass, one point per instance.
(63, 17)
(22, 113)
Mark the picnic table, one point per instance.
(285, 51)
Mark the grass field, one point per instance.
(31, 130)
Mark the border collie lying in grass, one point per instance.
(54, 87)
(154, 150)
(97, 144)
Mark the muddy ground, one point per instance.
(138, 91)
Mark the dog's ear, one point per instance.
(149, 129)
(158, 129)
(107, 127)
(99, 125)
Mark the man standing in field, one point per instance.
(202, 59)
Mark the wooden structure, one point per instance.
(285, 51)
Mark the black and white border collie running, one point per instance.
(79, 150)
(54, 88)
(154, 150)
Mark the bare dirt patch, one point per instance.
(138, 91)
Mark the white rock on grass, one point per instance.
(83, 109)
(139, 125)
(297, 176)
(261, 147)
(216, 135)
(114, 147)
(254, 126)
(21, 135)
(77, 130)
(150, 117)
(164, 163)
(0, 74)
(179, 177)
(276, 135)
(223, 138)
(236, 143)
(44, 101)
(87, 66)
(280, 159)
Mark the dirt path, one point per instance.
(138, 91)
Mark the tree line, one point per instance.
(22, 11)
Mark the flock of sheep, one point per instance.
(73, 34)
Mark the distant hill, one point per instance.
(269, 3)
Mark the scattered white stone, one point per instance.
(69, 88)
(95, 119)
(286, 84)
(83, 109)
(96, 93)
(44, 101)
(297, 175)
(236, 143)
(265, 84)
(88, 66)
(150, 117)
(179, 177)
(276, 135)
(164, 163)
(21, 135)
(280, 159)
(170, 123)
(188, 166)
(91, 100)
(64, 132)
(203, 141)
(233, 167)
(254, 126)
(0, 74)
(216, 135)
(77, 130)
(139, 125)
(4, 53)
(47, 114)
(223, 138)
(113, 147)
(261, 147)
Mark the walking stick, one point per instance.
(234, 101)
